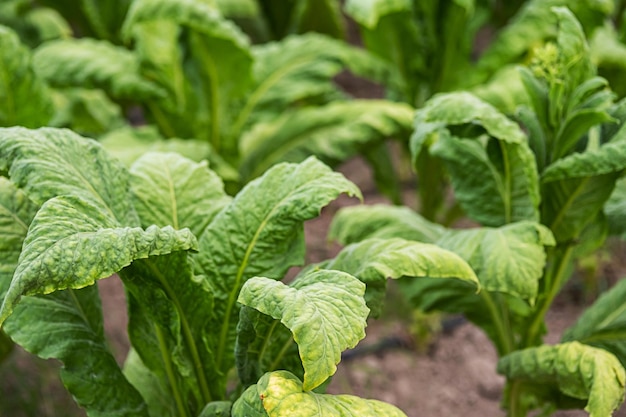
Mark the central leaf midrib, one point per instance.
(239, 277)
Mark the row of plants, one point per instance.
(534, 154)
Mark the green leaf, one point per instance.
(24, 98)
(216, 409)
(374, 260)
(264, 344)
(151, 388)
(87, 112)
(356, 223)
(508, 259)
(71, 244)
(368, 13)
(175, 344)
(6, 346)
(493, 170)
(575, 188)
(603, 325)
(301, 70)
(16, 214)
(579, 371)
(68, 326)
(171, 190)
(94, 64)
(607, 159)
(615, 209)
(333, 300)
(283, 394)
(249, 404)
(332, 133)
(217, 66)
(321, 16)
(260, 234)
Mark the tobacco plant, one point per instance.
(195, 78)
(202, 275)
(537, 185)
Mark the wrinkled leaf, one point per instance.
(95, 64)
(283, 394)
(324, 310)
(579, 371)
(508, 259)
(242, 242)
(603, 324)
(374, 260)
(171, 190)
(494, 175)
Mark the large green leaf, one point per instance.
(333, 133)
(374, 260)
(260, 234)
(171, 190)
(68, 326)
(333, 300)
(508, 259)
(578, 371)
(615, 209)
(493, 170)
(94, 64)
(171, 318)
(24, 97)
(298, 70)
(217, 65)
(281, 394)
(356, 223)
(368, 13)
(604, 323)
(16, 214)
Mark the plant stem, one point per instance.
(553, 283)
(180, 405)
(514, 406)
(505, 344)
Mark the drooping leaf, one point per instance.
(603, 325)
(493, 170)
(249, 404)
(374, 260)
(241, 243)
(508, 259)
(171, 190)
(16, 214)
(300, 70)
(332, 133)
(281, 394)
(368, 13)
(332, 300)
(93, 64)
(216, 409)
(68, 326)
(356, 223)
(578, 371)
(24, 98)
(71, 244)
(607, 159)
(178, 307)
